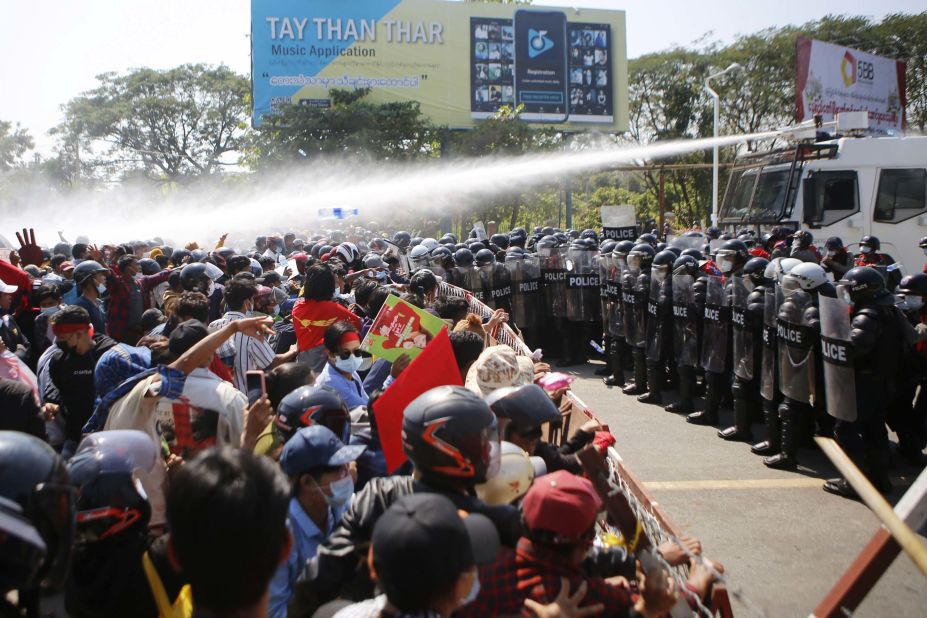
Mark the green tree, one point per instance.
(173, 125)
(15, 142)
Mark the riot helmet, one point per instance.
(731, 256)
(650, 239)
(802, 239)
(402, 239)
(463, 257)
(500, 240)
(685, 265)
(781, 267)
(663, 265)
(607, 246)
(485, 257)
(869, 244)
(641, 256)
(419, 257)
(754, 272)
(863, 285)
(693, 252)
(808, 275)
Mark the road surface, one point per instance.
(782, 539)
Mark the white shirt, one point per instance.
(241, 352)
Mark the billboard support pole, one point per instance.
(714, 150)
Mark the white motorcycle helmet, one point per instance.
(809, 275)
(780, 267)
(516, 472)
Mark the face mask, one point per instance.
(336, 294)
(925, 251)
(474, 591)
(138, 276)
(831, 253)
(51, 310)
(342, 491)
(659, 274)
(275, 310)
(726, 265)
(844, 295)
(349, 364)
(210, 289)
(101, 288)
(865, 250)
(914, 303)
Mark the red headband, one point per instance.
(349, 336)
(69, 329)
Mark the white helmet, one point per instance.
(781, 267)
(429, 243)
(809, 275)
(516, 472)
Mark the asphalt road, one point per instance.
(783, 541)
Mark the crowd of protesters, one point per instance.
(192, 432)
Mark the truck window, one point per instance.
(835, 196)
(902, 195)
(769, 197)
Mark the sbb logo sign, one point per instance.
(852, 70)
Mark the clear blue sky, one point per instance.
(53, 49)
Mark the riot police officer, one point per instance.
(640, 259)
(877, 331)
(659, 325)
(464, 274)
(688, 305)
(604, 263)
(907, 413)
(747, 310)
(620, 351)
(730, 257)
(495, 281)
(582, 296)
(552, 259)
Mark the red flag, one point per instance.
(435, 366)
(12, 275)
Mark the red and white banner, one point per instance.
(833, 78)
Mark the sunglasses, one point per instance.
(347, 355)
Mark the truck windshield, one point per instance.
(767, 188)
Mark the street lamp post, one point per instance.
(714, 151)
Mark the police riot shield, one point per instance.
(640, 292)
(613, 297)
(553, 276)
(468, 278)
(499, 294)
(716, 320)
(687, 242)
(656, 302)
(582, 286)
(685, 325)
(770, 357)
(837, 351)
(796, 344)
(742, 329)
(603, 265)
(629, 304)
(527, 295)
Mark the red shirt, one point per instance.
(312, 317)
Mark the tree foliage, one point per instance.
(15, 142)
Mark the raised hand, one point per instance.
(29, 250)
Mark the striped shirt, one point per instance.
(241, 352)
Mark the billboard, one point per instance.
(461, 61)
(833, 78)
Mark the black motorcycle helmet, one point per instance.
(193, 278)
(641, 256)
(872, 242)
(522, 408)
(650, 239)
(37, 514)
(111, 503)
(149, 266)
(863, 285)
(402, 239)
(86, 270)
(748, 239)
(463, 257)
(311, 405)
(685, 265)
(485, 257)
(500, 240)
(693, 252)
(834, 243)
(734, 251)
(449, 433)
(624, 247)
(712, 233)
(914, 285)
(755, 270)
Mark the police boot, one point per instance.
(640, 375)
(617, 364)
(771, 419)
(568, 345)
(740, 432)
(709, 416)
(607, 369)
(785, 458)
(655, 384)
(686, 385)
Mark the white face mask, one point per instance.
(101, 288)
(349, 364)
(50, 311)
(831, 253)
(275, 310)
(865, 249)
(914, 303)
(474, 590)
(210, 289)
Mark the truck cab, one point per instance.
(845, 186)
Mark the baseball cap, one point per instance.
(185, 335)
(422, 541)
(66, 266)
(7, 289)
(316, 447)
(562, 504)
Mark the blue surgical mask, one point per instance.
(474, 590)
(342, 492)
(349, 364)
(50, 311)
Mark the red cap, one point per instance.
(561, 503)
